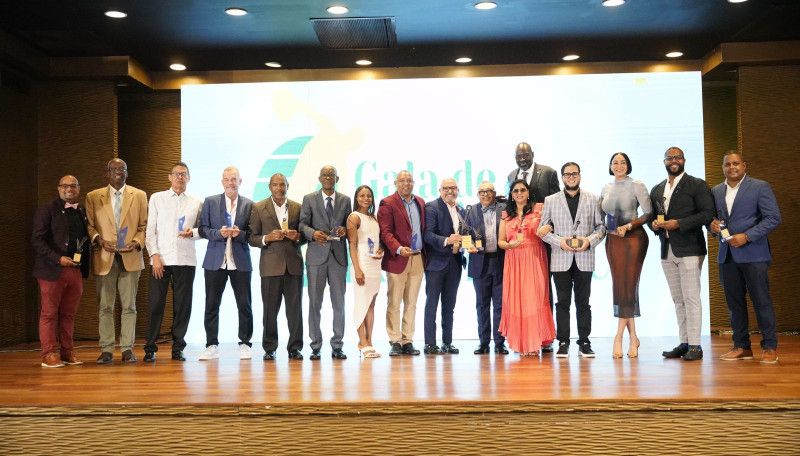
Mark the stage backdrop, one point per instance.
(465, 128)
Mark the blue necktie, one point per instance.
(117, 207)
(329, 209)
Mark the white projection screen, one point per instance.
(465, 128)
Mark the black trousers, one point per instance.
(288, 288)
(215, 286)
(739, 279)
(581, 282)
(489, 301)
(182, 280)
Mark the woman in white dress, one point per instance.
(363, 235)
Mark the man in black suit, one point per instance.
(543, 182)
(60, 263)
(686, 205)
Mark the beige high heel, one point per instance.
(617, 350)
(633, 352)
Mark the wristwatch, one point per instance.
(630, 227)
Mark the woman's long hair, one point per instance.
(371, 208)
(511, 206)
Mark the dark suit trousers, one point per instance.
(489, 301)
(215, 286)
(738, 279)
(274, 289)
(442, 283)
(581, 281)
(182, 280)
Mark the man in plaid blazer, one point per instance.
(577, 227)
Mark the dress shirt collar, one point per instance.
(325, 197)
(732, 187)
(112, 190)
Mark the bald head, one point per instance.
(524, 155)
(69, 189)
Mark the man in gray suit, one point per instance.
(577, 227)
(322, 218)
(273, 229)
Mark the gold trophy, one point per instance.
(575, 243)
(285, 224)
(76, 257)
(660, 211)
(466, 241)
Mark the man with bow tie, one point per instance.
(486, 268)
(60, 263)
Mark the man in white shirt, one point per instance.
(227, 257)
(172, 228)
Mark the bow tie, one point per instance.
(67, 205)
(488, 208)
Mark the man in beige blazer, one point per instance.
(116, 263)
(274, 229)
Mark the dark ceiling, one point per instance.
(200, 35)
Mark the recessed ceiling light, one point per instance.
(236, 11)
(674, 54)
(570, 57)
(116, 14)
(613, 2)
(338, 9)
(363, 62)
(177, 66)
(485, 5)
(463, 60)
(273, 64)
(736, 1)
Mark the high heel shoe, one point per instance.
(633, 352)
(617, 350)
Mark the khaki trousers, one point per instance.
(403, 287)
(127, 283)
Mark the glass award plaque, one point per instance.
(228, 220)
(334, 234)
(122, 233)
(611, 222)
(76, 258)
(414, 244)
(723, 228)
(181, 221)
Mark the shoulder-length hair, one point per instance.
(511, 206)
(371, 208)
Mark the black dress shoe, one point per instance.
(501, 349)
(450, 349)
(408, 349)
(105, 358)
(547, 348)
(149, 357)
(269, 356)
(396, 350)
(338, 354)
(178, 356)
(676, 352)
(295, 354)
(430, 349)
(481, 349)
(315, 355)
(693, 354)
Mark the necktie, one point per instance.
(488, 208)
(73, 206)
(329, 208)
(525, 176)
(117, 207)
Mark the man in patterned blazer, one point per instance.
(577, 227)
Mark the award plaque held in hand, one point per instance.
(660, 211)
(414, 245)
(228, 220)
(575, 243)
(334, 234)
(181, 221)
(466, 242)
(371, 246)
(122, 233)
(284, 224)
(76, 258)
(723, 228)
(611, 222)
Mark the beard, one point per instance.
(571, 188)
(676, 173)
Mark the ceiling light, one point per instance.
(463, 60)
(736, 1)
(674, 54)
(613, 2)
(338, 9)
(236, 11)
(570, 57)
(485, 5)
(116, 14)
(177, 67)
(363, 62)
(273, 64)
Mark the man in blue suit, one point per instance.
(227, 257)
(750, 212)
(443, 220)
(486, 268)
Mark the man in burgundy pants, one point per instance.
(59, 233)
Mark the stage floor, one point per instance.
(442, 379)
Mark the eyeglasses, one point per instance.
(449, 189)
(570, 175)
(117, 170)
(674, 158)
(66, 186)
(177, 174)
(520, 190)
(485, 192)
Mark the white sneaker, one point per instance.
(244, 351)
(211, 352)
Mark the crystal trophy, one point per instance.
(334, 234)
(414, 244)
(228, 220)
(181, 221)
(76, 258)
(611, 222)
(723, 228)
(122, 233)
(371, 246)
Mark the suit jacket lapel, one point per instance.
(399, 202)
(127, 201)
(105, 204)
(675, 191)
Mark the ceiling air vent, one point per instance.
(356, 32)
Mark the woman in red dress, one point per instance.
(526, 322)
